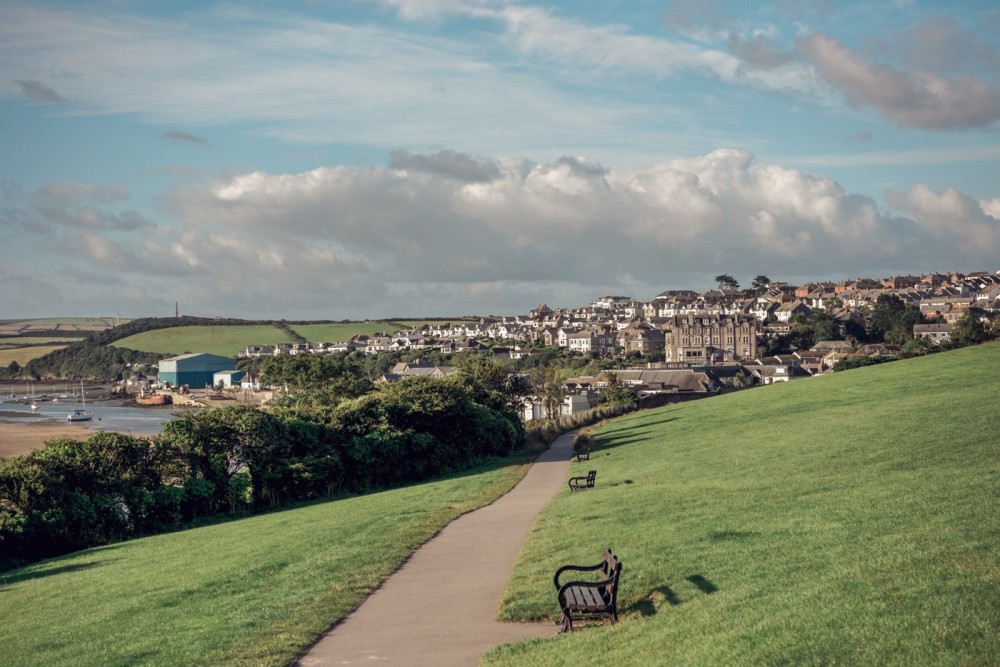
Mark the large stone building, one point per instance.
(700, 339)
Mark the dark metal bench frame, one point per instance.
(586, 482)
(589, 600)
(583, 454)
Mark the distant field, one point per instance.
(337, 332)
(22, 341)
(226, 341)
(71, 323)
(23, 355)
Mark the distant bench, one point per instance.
(586, 482)
(589, 600)
(583, 454)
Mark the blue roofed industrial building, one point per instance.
(194, 370)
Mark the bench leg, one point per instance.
(567, 623)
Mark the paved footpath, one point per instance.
(440, 607)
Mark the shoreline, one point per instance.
(25, 435)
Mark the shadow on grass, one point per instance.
(627, 435)
(647, 606)
(15, 577)
(702, 584)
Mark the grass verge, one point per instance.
(845, 519)
(250, 592)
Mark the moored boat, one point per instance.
(153, 399)
(83, 414)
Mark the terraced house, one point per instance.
(699, 339)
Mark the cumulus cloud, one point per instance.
(568, 221)
(953, 218)
(447, 163)
(450, 233)
(39, 92)
(921, 99)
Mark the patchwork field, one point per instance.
(85, 324)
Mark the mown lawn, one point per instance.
(227, 341)
(250, 592)
(846, 519)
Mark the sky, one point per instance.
(353, 159)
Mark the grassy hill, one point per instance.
(846, 519)
(224, 340)
(249, 592)
(229, 340)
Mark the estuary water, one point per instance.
(108, 415)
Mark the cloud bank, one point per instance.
(459, 234)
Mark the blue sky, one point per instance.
(355, 159)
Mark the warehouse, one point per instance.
(193, 370)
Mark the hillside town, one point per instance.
(690, 344)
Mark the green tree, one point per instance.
(969, 329)
(891, 320)
(614, 393)
(759, 284)
(493, 384)
(726, 281)
(549, 388)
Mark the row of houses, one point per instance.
(687, 326)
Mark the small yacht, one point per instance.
(83, 414)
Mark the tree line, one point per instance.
(237, 460)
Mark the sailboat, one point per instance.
(34, 404)
(83, 414)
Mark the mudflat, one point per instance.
(23, 436)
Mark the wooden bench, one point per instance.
(583, 454)
(586, 482)
(589, 600)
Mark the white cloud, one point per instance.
(953, 219)
(453, 234)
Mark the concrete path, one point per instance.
(440, 607)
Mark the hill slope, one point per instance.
(249, 592)
(847, 519)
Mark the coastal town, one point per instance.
(683, 344)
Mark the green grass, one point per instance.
(337, 332)
(226, 341)
(250, 592)
(847, 519)
(22, 355)
(22, 341)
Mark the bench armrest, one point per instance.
(575, 568)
